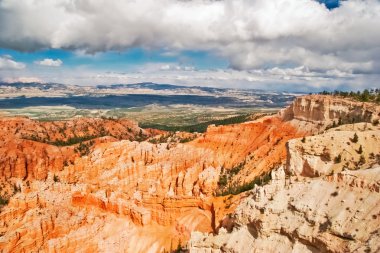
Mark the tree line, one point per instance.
(367, 95)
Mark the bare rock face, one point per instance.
(348, 147)
(258, 146)
(62, 131)
(29, 149)
(324, 110)
(318, 206)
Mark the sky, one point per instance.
(287, 45)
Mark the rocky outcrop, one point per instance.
(60, 132)
(323, 111)
(346, 147)
(310, 216)
(316, 206)
(258, 146)
(31, 160)
(29, 149)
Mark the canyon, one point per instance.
(299, 180)
(312, 204)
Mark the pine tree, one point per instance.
(355, 138)
(360, 150)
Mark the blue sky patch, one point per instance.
(330, 4)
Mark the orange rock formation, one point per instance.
(124, 195)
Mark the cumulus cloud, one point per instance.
(7, 63)
(49, 62)
(176, 67)
(299, 78)
(252, 34)
(289, 79)
(22, 80)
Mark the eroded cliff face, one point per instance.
(313, 204)
(29, 149)
(160, 192)
(123, 195)
(346, 147)
(323, 111)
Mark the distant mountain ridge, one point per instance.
(143, 85)
(32, 84)
(18, 95)
(156, 86)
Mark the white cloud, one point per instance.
(292, 79)
(22, 80)
(250, 33)
(49, 62)
(298, 78)
(176, 67)
(7, 63)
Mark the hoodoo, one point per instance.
(298, 180)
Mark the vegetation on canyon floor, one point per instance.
(4, 196)
(84, 148)
(64, 141)
(4, 200)
(226, 185)
(172, 137)
(235, 188)
(200, 127)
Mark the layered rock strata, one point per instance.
(123, 195)
(313, 204)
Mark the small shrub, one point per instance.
(179, 248)
(236, 189)
(3, 201)
(153, 141)
(338, 158)
(326, 156)
(375, 122)
(188, 139)
(361, 160)
(360, 150)
(16, 189)
(235, 170)
(56, 178)
(84, 148)
(334, 194)
(303, 140)
(222, 181)
(355, 138)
